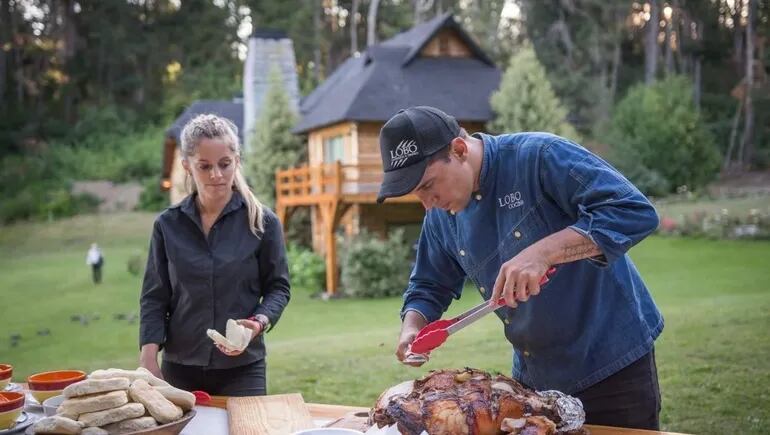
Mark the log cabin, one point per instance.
(435, 63)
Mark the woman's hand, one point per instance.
(148, 358)
(256, 329)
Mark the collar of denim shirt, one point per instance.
(485, 173)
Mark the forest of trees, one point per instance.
(82, 82)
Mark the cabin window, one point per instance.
(334, 149)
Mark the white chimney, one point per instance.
(266, 49)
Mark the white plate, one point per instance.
(31, 404)
(12, 388)
(24, 420)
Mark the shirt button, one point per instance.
(452, 212)
(462, 253)
(517, 234)
(478, 197)
(526, 353)
(507, 321)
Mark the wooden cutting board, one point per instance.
(352, 420)
(279, 414)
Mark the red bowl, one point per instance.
(6, 371)
(48, 384)
(11, 404)
(11, 400)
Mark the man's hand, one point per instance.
(413, 322)
(519, 278)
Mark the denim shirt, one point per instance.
(595, 316)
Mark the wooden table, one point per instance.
(333, 412)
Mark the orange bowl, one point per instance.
(6, 371)
(48, 384)
(11, 405)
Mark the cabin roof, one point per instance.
(392, 75)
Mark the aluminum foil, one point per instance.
(569, 408)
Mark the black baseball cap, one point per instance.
(407, 141)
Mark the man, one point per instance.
(95, 259)
(501, 211)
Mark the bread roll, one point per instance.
(131, 425)
(101, 418)
(95, 386)
(131, 375)
(94, 431)
(183, 399)
(158, 406)
(57, 425)
(93, 403)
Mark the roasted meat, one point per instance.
(474, 402)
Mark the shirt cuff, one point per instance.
(263, 320)
(421, 308)
(152, 337)
(263, 313)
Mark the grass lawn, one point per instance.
(713, 356)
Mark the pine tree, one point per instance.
(273, 145)
(526, 101)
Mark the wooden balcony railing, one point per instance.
(331, 188)
(305, 185)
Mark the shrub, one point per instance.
(307, 270)
(35, 185)
(43, 200)
(720, 225)
(299, 233)
(373, 267)
(152, 198)
(659, 140)
(62, 203)
(136, 264)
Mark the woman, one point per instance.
(217, 255)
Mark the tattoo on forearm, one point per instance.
(579, 251)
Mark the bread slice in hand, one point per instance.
(236, 337)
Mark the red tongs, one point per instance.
(434, 334)
(202, 398)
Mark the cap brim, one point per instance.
(401, 181)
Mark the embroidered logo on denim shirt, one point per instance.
(404, 150)
(511, 200)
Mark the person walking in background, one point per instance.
(95, 259)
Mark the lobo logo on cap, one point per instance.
(407, 141)
(404, 150)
